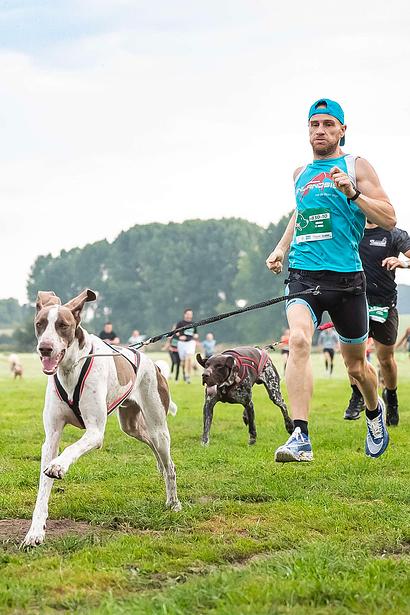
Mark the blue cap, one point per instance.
(328, 107)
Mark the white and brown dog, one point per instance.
(82, 390)
(15, 366)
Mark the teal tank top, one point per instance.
(328, 227)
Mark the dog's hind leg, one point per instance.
(250, 413)
(132, 423)
(53, 428)
(154, 413)
(271, 381)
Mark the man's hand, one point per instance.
(274, 262)
(342, 182)
(391, 263)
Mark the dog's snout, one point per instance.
(45, 350)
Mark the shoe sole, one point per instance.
(283, 456)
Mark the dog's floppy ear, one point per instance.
(45, 298)
(233, 377)
(200, 360)
(77, 303)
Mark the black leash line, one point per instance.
(207, 321)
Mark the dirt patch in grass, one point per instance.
(11, 529)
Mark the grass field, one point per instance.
(254, 537)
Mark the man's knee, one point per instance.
(356, 369)
(300, 342)
(387, 361)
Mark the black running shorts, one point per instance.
(385, 332)
(343, 295)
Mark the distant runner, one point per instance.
(379, 251)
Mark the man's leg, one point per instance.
(299, 382)
(327, 357)
(188, 368)
(299, 378)
(388, 366)
(361, 371)
(365, 376)
(356, 403)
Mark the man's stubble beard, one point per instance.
(326, 151)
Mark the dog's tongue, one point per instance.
(211, 391)
(50, 363)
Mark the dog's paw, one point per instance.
(33, 539)
(175, 506)
(55, 470)
(252, 440)
(205, 442)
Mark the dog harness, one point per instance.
(74, 403)
(249, 358)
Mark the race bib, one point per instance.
(313, 225)
(378, 314)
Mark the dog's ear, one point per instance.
(200, 360)
(45, 298)
(233, 377)
(77, 303)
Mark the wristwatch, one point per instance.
(356, 194)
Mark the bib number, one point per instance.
(313, 225)
(378, 314)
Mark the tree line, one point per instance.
(151, 272)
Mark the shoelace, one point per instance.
(296, 435)
(376, 427)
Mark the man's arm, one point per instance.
(401, 243)
(402, 339)
(373, 201)
(274, 262)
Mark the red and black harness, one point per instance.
(254, 360)
(74, 403)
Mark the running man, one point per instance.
(379, 251)
(334, 196)
(187, 344)
(329, 341)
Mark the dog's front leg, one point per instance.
(94, 414)
(93, 438)
(208, 414)
(53, 427)
(250, 413)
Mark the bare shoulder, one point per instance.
(364, 170)
(296, 172)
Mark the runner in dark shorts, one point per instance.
(335, 194)
(379, 251)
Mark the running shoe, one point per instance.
(355, 407)
(377, 438)
(392, 407)
(297, 448)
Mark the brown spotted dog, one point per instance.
(84, 389)
(230, 376)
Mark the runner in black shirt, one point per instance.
(187, 344)
(379, 251)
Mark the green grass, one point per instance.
(331, 537)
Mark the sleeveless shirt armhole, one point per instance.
(351, 167)
(302, 170)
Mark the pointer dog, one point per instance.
(83, 393)
(230, 376)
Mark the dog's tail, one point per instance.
(165, 371)
(163, 368)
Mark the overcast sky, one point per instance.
(123, 112)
